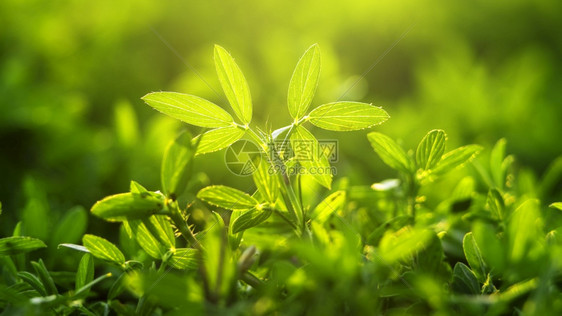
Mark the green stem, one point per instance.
(413, 189)
(287, 192)
(181, 224)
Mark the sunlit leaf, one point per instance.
(175, 164)
(307, 153)
(557, 205)
(496, 163)
(124, 206)
(304, 82)
(147, 240)
(430, 149)
(331, 204)
(347, 116)
(456, 158)
(390, 152)
(474, 257)
(17, 244)
(233, 84)
(227, 197)
(523, 229)
(71, 227)
(250, 218)
(218, 139)
(403, 243)
(184, 258)
(495, 203)
(162, 229)
(189, 108)
(266, 182)
(85, 273)
(493, 248)
(75, 247)
(103, 249)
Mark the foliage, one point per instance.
(301, 242)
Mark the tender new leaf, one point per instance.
(347, 116)
(189, 108)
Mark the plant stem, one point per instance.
(413, 189)
(287, 192)
(180, 223)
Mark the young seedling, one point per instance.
(336, 116)
(429, 162)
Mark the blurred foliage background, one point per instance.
(73, 128)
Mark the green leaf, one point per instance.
(124, 206)
(347, 116)
(85, 273)
(456, 158)
(304, 82)
(464, 280)
(155, 235)
(103, 249)
(126, 124)
(175, 165)
(34, 282)
(160, 227)
(523, 229)
(117, 287)
(306, 150)
(250, 218)
(430, 149)
(496, 163)
(518, 289)
(75, 247)
(148, 242)
(557, 205)
(234, 84)
(17, 244)
(189, 108)
(45, 277)
(184, 258)
(390, 152)
(495, 203)
(491, 246)
(333, 203)
(71, 227)
(81, 291)
(227, 197)
(395, 246)
(430, 258)
(266, 182)
(474, 257)
(35, 219)
(218, 139)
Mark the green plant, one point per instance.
(486, 246)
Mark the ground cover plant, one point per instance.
(303, 241)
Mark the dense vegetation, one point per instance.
(490, 248)
(445, 200)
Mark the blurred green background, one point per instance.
(73, 128)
